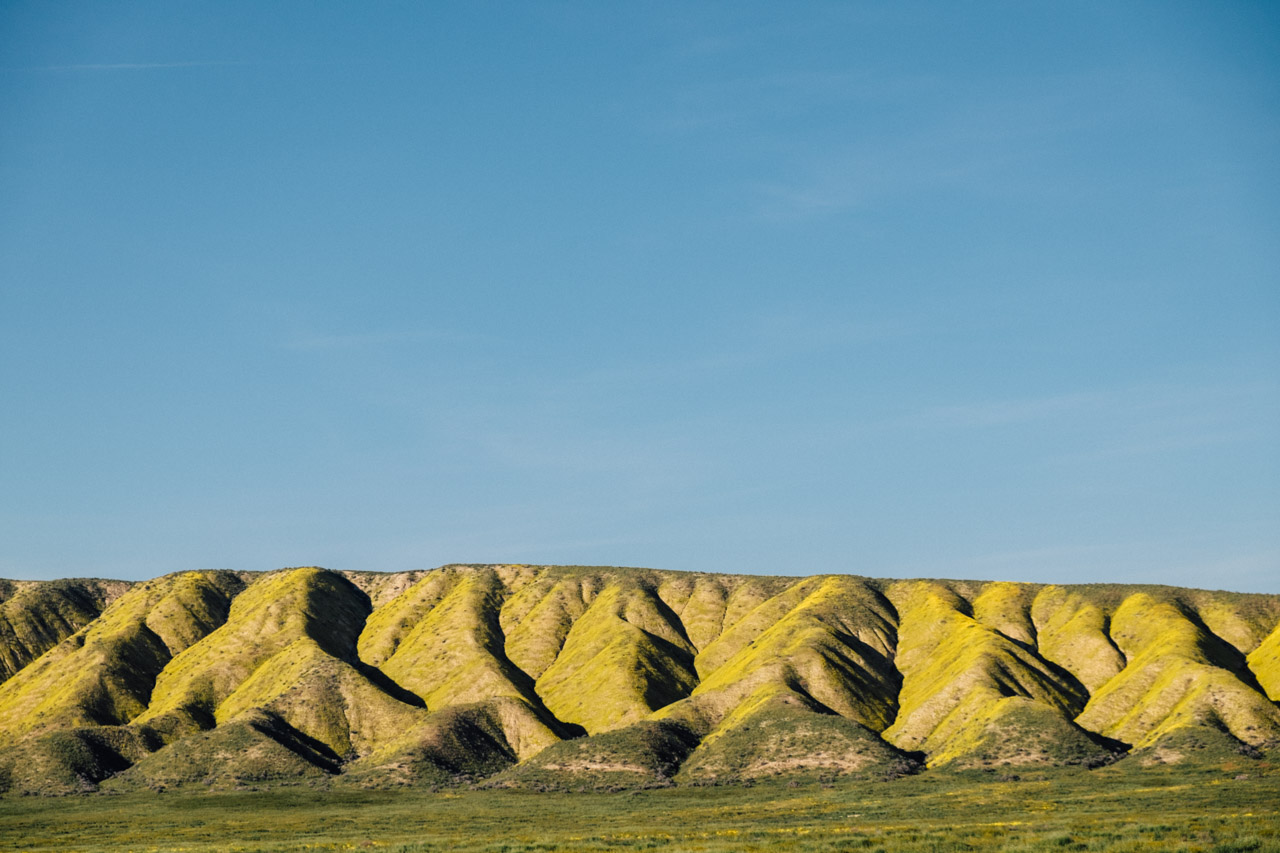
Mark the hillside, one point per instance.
(568, 678)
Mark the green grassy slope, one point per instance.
(471, 672)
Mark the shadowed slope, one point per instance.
(35, 617)
(71, 761)
(255, 747)
(104, 673)
(1073, 633)
(459, 744)
(1179, 674)
(827, 640)
(447, 646)
(288, 646)
(624, 658)
(963, 679)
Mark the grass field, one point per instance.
(1158, 810)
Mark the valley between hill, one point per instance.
(582, 678)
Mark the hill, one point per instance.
(571, 678)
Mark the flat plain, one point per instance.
(1114, 809)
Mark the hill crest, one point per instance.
(569, 676)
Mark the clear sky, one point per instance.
(982, 290)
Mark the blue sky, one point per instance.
(961, 290)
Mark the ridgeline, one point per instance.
(575, 678)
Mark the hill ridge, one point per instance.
(468, 670)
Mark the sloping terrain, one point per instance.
(966, 681)
(35, 617)
(256, 747)
(643, 755)
(569, 678)
(784, 736)
(630, 647)
(104, 673)
(1179, 674)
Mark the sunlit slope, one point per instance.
(965, 682)
(626, 656)
(287, 646)
(104, 673)
(442, 639)
(381, 587)
(1264, 661)
(800, 684)
(1179, 674)
(536, 619)
(825, 642)
(1073, 632)
(709, 605)
(596, 677)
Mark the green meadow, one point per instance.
(1156, 809)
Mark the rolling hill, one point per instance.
(568, 678)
